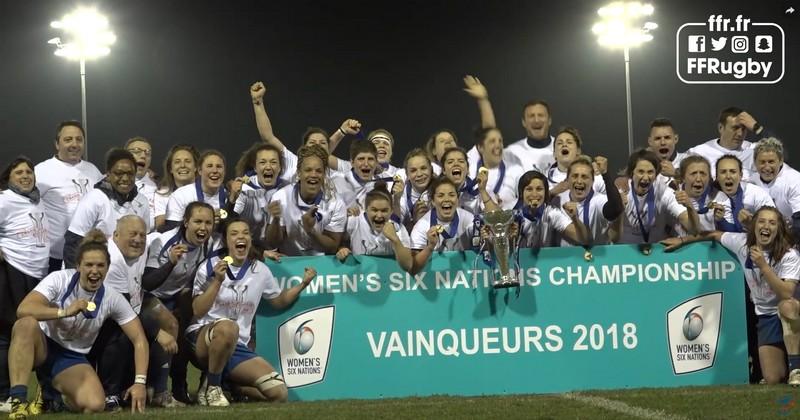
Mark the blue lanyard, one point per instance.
(242, 270)
(315, 202)
(737, 204)
(470, 187)
(650, 202)
(98, 296)
(500, 178)
(223, 194)
(452, 228)
(587, 203)
(702, 207)
(172, 241)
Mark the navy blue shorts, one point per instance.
(60, 359)
(770, 331)
(240, 354)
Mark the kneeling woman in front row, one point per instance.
(227, 291)
(58, 324)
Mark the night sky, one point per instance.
(180, 72)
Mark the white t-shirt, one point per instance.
(666, 208)
(160, 201)
(352, 191)
(365, 241)
(78, 333)
(62, 186)
(762, 295)
(182, 274)
(125, 276)
(97, 211)
(545, 229)
(332, 217)
(784, 190)
(538, 159)
(251, 205)
(24, 230)
(712, 151)
(236, 300)
(457, 234)
(506, 189)
(754, 197)
(597, 223)
(289, 166)
(187, 194)
(147, 187)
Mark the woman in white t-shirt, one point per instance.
(472, 193)
(376, 232)
(207, 188)
(306, 218)
(436, 145)
(736, 201)
(446, 227)
(771, 270)
(227, 292)
(180, 168)
(410, 198)
(539, 223)
(260, 170)
(24, 246)
(58, 324)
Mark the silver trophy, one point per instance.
(505, 272)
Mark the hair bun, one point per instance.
(94, 236)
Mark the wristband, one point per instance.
(342, 131)
(140, 379)
(757, 127)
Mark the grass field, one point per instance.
(723, 402)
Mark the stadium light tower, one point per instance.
(86, 36)
(621, 27)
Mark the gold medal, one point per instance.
(228, 260)
(483, 170)
(223, 214)
(91, 306)
(245, 179)
(439, 228)
(587, 256)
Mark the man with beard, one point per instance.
(536, 148)
(662, 141)
(62, 181)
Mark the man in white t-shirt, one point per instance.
(62, 181)
(733, 125)
(662, 141)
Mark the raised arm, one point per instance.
(477, 90)
(257, 91)
(576, 231)
(290, 295)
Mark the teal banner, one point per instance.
(366, 329)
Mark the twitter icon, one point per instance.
(719, 43)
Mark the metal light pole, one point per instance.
(87, 37)
(620, 27)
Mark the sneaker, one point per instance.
(5, 406)
(19, 409)
(165, 399)
(215, 397)
(36, 407)
(113, 403)
(201, 391)
(794, 377)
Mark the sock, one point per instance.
(794, 362)
(19, 392)
(159, 369)
(214, 379)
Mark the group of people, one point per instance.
(111, 282)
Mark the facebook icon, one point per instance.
(697, 43)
